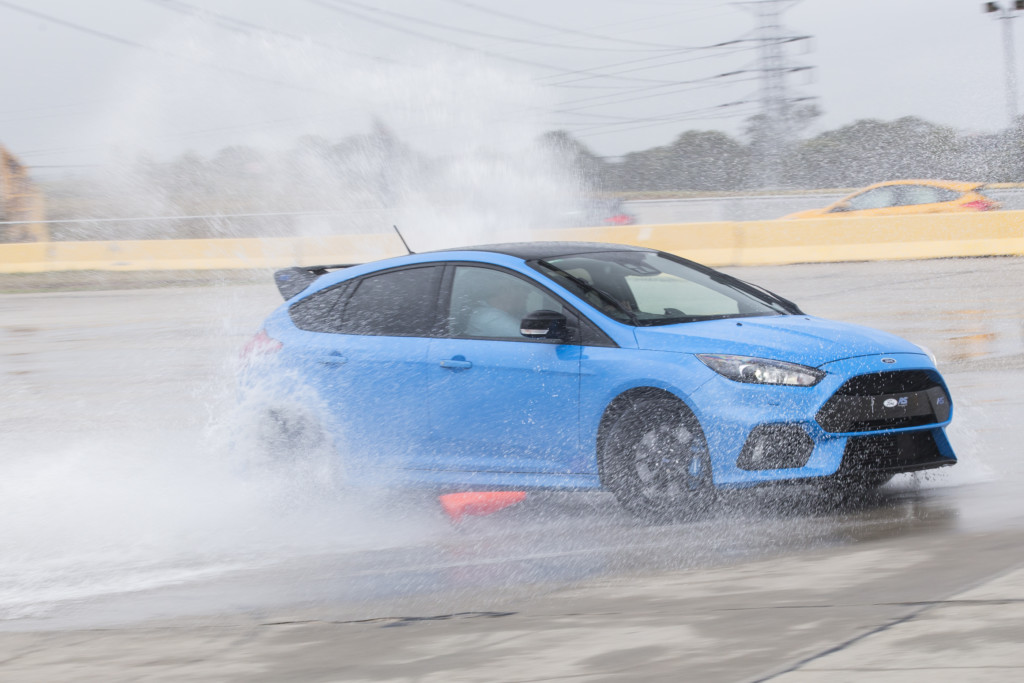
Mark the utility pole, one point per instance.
(1006, 13)
(776, 130)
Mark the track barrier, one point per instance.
(772, 242)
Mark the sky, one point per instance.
(85, 82)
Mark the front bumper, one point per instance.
(759, 433)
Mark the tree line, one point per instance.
(861, 153)
(374, 171)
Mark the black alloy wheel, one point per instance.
(655, 460)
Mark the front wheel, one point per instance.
(655, 460)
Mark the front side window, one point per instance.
(878, 198)
(647, 288)
(944, 195)
(491, 304)
(397, 303)
(911, 195)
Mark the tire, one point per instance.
(287, 435)
(292, 444)
(655, 460)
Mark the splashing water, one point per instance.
(90, 508)
(449, 149)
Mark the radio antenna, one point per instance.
(403, 239)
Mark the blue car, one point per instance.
(590, 366)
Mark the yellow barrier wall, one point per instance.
(207, 254)
(724, 243)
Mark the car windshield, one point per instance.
(647, 288)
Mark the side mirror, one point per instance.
(544, 324)
(840, 208)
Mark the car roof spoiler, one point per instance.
(291, 281)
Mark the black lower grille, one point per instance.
(892, 453)
(886, 400)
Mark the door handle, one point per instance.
(456, 364)
(333, 359)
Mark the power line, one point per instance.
(562, 29)
(141, 46)
(708, 80)
(625, 120)
(739, 41)
(247, 28)
(701, 114)
(494, 36)
(649, 66)
(424, 36)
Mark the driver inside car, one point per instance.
(499, 314)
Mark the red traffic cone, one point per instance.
(478, 502)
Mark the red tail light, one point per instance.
(980, 205)
(261, 345)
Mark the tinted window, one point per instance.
(398, 303)
(646, 288)
(319, 312)
(491, 304)
(909, 195)
(945, 195)
(878, 198)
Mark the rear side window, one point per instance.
(398, 303)
(320, 312)
(909, 195)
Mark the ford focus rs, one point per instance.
(589, 366)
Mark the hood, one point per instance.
(794, 338)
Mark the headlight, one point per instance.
(761, 370)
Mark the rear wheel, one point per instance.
(655, 460)
(292, 442)
(289, 435)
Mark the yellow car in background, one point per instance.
(900, 197)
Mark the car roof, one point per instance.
(947, 184)
(529, 251)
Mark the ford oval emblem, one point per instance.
(890, 403)
(888, 360)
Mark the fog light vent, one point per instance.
(776, 447)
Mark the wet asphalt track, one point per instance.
(93, 375)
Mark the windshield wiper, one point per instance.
(587, 287)
(786, 304)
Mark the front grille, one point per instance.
(886, 400)
(892, 453)
(891, 382)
